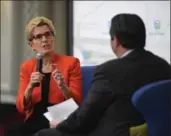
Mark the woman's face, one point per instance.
(43, 40)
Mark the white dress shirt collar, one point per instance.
(126, 53)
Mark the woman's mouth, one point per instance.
(46, 47)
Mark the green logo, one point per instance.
(157, 24)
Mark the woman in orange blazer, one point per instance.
(59, 80)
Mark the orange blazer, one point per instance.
(69, 67)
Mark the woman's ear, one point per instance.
(34, 49)
(31, 46)
(30, 43)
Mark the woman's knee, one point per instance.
(12, 129)
(48, 132)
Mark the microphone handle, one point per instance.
(39, 69)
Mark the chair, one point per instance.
(87, 73)
(140, 130)
(152, 101)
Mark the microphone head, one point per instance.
(39, 55)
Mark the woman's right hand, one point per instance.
(36, 77)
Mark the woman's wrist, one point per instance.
(66, 91)
(28, 90)
(28, 95)
(30, 87)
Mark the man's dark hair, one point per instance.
(129, 30)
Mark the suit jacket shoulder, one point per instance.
(66, 61)
(108, 67)
(28, 65)
(67, 58)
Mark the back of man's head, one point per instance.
(129, 29)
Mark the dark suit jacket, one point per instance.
(107, 110)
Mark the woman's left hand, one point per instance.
(58, 77)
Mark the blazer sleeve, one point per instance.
(75, 81)
(86, 117)
(23, 82)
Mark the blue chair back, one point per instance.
(87, 73)
(152, 101)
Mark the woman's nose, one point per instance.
(44, 38)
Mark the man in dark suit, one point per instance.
(107, 110)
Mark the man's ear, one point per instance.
(116, 41)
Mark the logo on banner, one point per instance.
(156, 28)
(157, 24)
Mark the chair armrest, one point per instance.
(141, 130)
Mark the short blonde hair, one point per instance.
(38, 21)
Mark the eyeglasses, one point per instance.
(40, 36)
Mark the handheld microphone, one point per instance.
(39, 57)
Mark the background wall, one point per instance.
(91, 21)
